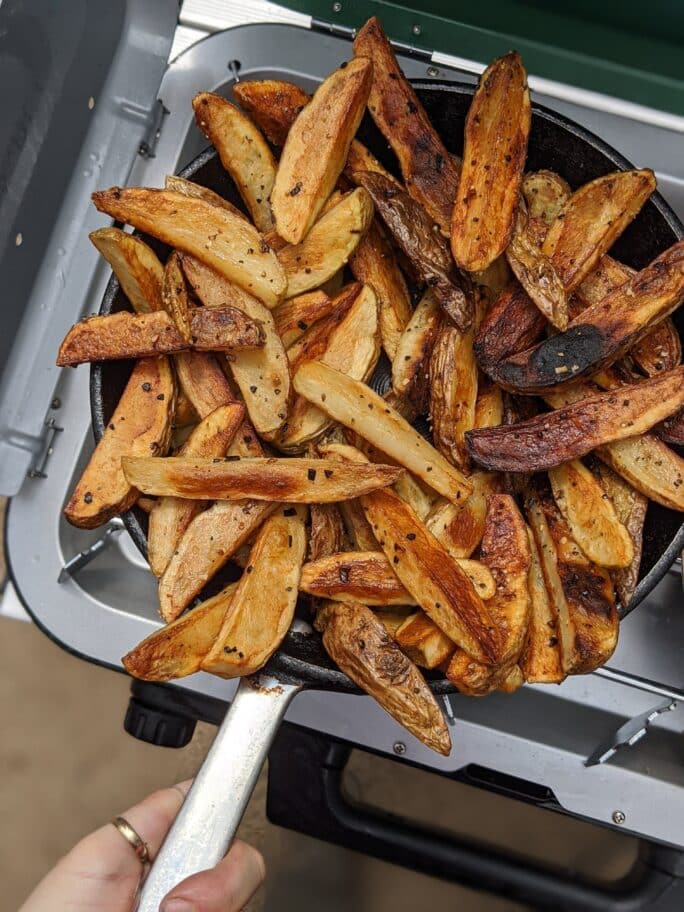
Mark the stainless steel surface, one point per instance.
(88, 555)
(628, 734)
(208, 820)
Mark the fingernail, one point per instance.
(177, 905)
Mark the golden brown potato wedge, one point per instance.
(660, 350)
(357, 407)
(453, 393)
(392, 618)
(573, 431)
(607, 275)
(410, 364)
(326, 535)
(208, 543)
(489, 406)
(185, 414)
(581, 593)
(540, 661)
(511, 325)
(592, 518)
(592, 220)
(514, 681)
(170, 516)
(419, 497)
(203, 383)
(427, 168)
(423, 642)
(177, 649)
(316, 148)
(263, 374)
(357, 526)
(197, 191)
(545, 193)
(602, 332)
(175, 298)
(460, 527)
(417, 237)
(495, 147)
(215, 236)
(135, 265)
(374, 263)
(313, 343)
(294, 316)
(361, 647)
(263, 605)
(272, 104)
(146, 504)
(141, 424)
(328, 245)
(243, 151)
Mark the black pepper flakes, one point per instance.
(249, 568)
(311, 474)
(252, 389)
(88, 497)
(328, 473)
(344, 574)
(161, 397)
(411, 536)
(147, 387)
(290, 512)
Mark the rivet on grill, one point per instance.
(432, 71)
(399, 748)
(618, 817)
(337, 7)
(416, 29)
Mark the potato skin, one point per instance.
(273, 105)
(135, 265)
(511, 325)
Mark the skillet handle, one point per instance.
(208, 820)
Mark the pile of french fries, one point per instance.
(550, 373)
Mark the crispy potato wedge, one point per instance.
(602, 332)
(514, 681)
(263, 374)
(540, 661)
(545, 193)
(125, 335)
(427, 168)
(135, 265)
(263, 605)
(660, 350)
(316, 148)
(215, 236)
(203, 383)
(357, 526)
(516, 409)
(374, 263)
(185, 415)
(392, 618)
(410, 364)
(243, 151)
(495, 148)
(592, 220)
(417, 237)
(313, 343)
(146, 503)
(357, 407)
(141, 424)
(272, 104)
(423, 642)
(197, 191)
(672, 429)
(453, 393)
(177, 649)
(511, 325)
(459, 528)
(591, 516)
(493, 279)
(581, 593)
(328, 245)
(208, 543)
(537, 274)
(489, 406)
(175, 298)
(361, 647)
(327, 535)
(294, 316)
(417, 496)
(171, 516)
(607, 275)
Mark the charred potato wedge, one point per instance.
(660, 350)
(294, 316)
(545, 194)
(540, 661)
(510, 326)
(410, 365)
(423, 642)
(135, 265)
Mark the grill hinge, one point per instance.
(345, 31)
(148, 144)
(46, 447)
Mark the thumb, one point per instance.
(225, 888)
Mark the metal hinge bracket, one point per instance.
(148, 144)
(47, 446)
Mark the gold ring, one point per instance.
(130, 835)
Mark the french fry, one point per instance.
(294, 316)
(571, 432)
(327, 535)
(243, 151)
(263, 605)
(460, 528)
(226, 243)
(545, 194)
(141, 424)
(197, 191)
(415, 234)
(175, 298)
(177, 649)
(170, 516)
(496, 132)
(356, 406)
(427, 168)
(592, 518)
(540, 659)
(592, 220)
(316, 148)
(361, 647)
(410, 364)
(272, 104)
(511, 325)
(328, 245)
(135, 265)
(423, 642)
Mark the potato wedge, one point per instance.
(419, 497)
(592, 220)
(357, 407)
(545, 193)
(660, 350)
(175, 298)
(272, 104)
(453, 393)
(243, 151)
(495, 147)
(326, 535)
(672, 429)
(581, 593)
(361, 647)
(263, 605)
(573, 431)
(316, 148)
(489, 406)
(171, 516)
(202, 381)
(207, 545)
(607, 275)
(427, 168)
(328, 245)
(459, 528)
(602, 332)
(511, 325)
(357, 526)
(141, 424)
(410, 364)
(392, 618)
(314, 341)
(262, 374)
(374, 263)
(415, 234)
(294, 316)
(540, 661)
(423, 642)
(514, 681)
(197, 191)
(591, 516)
(135, 265)
(185, 415)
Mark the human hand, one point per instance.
(102, 872)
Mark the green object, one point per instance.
(626, 49)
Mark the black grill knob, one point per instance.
(157, 726)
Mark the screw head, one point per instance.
(56, 403)
(337, 7)
(399, 748)
(432, 71)
(416, 29)
(618, 817)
